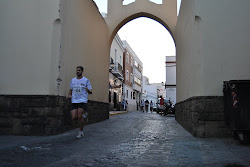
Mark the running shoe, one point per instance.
(81, 134)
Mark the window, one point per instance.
(137, 80)
(136, 64)
(131, 95)
(127, 76)
(127, 58)
(127, 93)
(115, 55)
(131, 77)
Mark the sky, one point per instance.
(150, 41)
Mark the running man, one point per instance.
(80, 87)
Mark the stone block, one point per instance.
(15, 105)
(17, 126)
(201, 116)
(218, 105)
(4, 104)
(41, 121)
(6, 114)
(210, 112)
(194, 117)
(53, 101)
(211, 129)
(199, 131)
(25, 109)
(206, 116)
(222, 124)
(17, 114)
(52, 131)
(37, 130)
(53, 122)
(26, 130)
(34, 101)
(55, 112)
(221, 117)
(37, 112)
(6, 122)
(66, 128)
(41, 115)
(5, 130)
(225, 132)
(213, 116)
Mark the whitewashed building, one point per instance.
(116, 74)
(150, 91)
(170, 83)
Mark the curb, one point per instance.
(116, 113)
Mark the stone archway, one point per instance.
(119, 14)
(135, 16)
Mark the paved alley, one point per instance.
(131, 139)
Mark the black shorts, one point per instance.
(78, 105)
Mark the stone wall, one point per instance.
(203, 116)
(42, 115)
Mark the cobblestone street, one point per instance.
(129, 139)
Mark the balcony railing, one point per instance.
(117, 69)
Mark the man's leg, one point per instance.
(74, 116)
(80, 119)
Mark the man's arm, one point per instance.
(88, 87)
(69, 94)
(89, 90)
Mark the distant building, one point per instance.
(150, 91)
(170, 84)
(132, 88)
(160, 90)
(116, 74)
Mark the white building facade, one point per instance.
(116, 74)
(170, 83)
(150, 91)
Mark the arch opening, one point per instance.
(136, 16)
(130, 93)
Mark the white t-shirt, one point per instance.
(79, 93)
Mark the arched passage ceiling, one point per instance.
(118, 14)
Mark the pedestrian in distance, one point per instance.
(126, 105)
(161, 104)
(80, 87)
(146, 105)
(123, 104)
(142, 105)
(151, 106)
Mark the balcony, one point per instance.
(116, 69)
(137, 87)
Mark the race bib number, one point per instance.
(77, 90)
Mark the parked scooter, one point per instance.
(169, 108)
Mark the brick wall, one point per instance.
(42, 115)
(203, 116)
